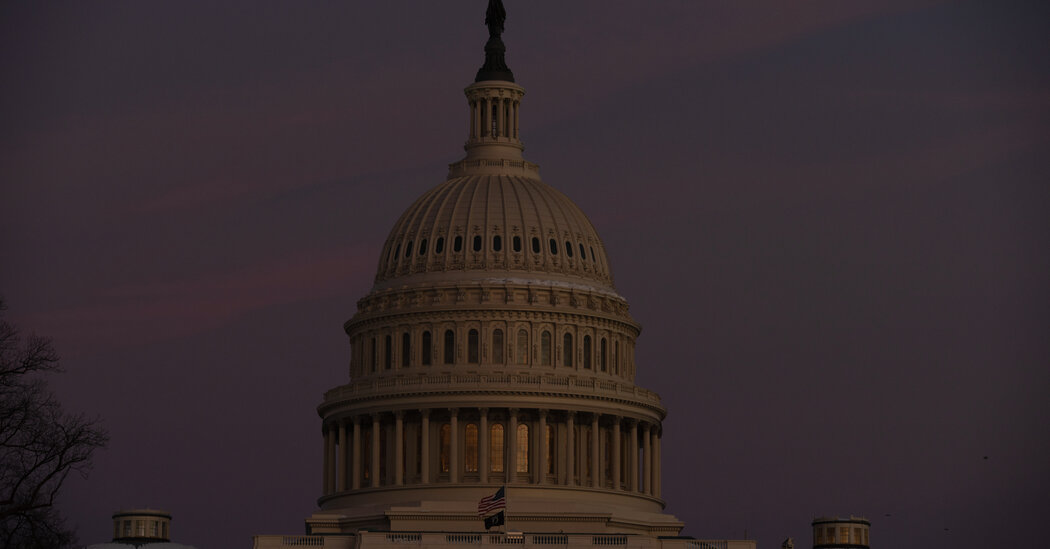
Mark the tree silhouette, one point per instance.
(40, 444)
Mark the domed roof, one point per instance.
(490, 226)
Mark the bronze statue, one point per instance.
(495, 67)
(495, 15)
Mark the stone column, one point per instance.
(517, 106)
(500, 123)
(326, 467)
(375, 450)
(570, 456)
(647, 461)
(541, 438)
(341, 461)
(616, 453)
(453, 445)
(355, 476)
(633, 461)
(596, 473)
(424, 446)
(483, 445)
(512, 446)
(657, 470)
(399, 444)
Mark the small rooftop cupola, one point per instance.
(493, 144)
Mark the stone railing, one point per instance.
(299, 542)
(570, 386)
(467, 167)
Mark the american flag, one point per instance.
(490, 503)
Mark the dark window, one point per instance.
(593, 259)
(450, 346)
(497, 243)
(408, 249)
(587, 352)
(406, 349)
(457, 244)
(439, 246)
(472, 347)
(388, 351)
(535, 245)
(423, 247)
(375, 355)
(602, 355)
(428, 349)
(583, 254)
(477, 243)
(554, 247)
(517, 243)
(567, 350)
(397, 251)
(497, 346)
(568, 248)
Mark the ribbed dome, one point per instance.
(490, 226)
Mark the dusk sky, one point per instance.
(830, 218)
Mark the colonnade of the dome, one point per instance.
(468, 445)
(494, 111)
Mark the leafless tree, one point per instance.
(40, 445)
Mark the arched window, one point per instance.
(545, 348)
(450, 347)
(587, 352)
(427, 349)
(593, 259)
(497, 346)
(583, 254)
(423, 247)
(472, 347)
(523, 347)
(496, 448)
(616, 358)
(406, 349)
(554, 247)
(375, 355)
(552, 447)
(388, 351)
(477, 243)
(601, 357)
(408, 249)
(568, 248)
(445, 446)
(517, 243)
(523, 448)
(397, 251)
(566, 350)
(535, 245)
(439, 246)
(471, 441)
(457, 244)
(497, 243)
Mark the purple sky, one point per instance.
(831, 219)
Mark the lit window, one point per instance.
(496, 448)
(471, 440)
(497, 346)
(523, 448)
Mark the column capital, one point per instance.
(425, 412)
(542, 412)
(570, 414)
(399, 414)
(513, 411)
(453, 412)
(483, 411)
